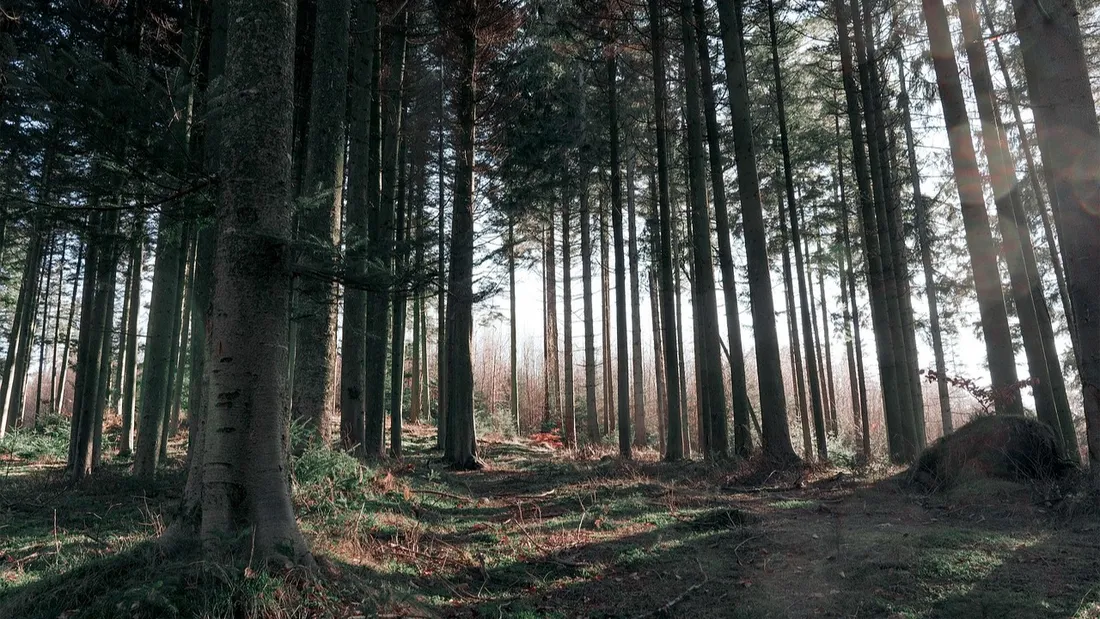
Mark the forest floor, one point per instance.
(542, 533)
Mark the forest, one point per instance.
(533, 308)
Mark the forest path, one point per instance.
(543, 532)
(546, 534)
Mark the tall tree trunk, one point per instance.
(86, 410)
(798, 377)
(552, 398)
(569, 414)
(400, 306)
(174, 367)
(826, 343)
(709, 363)
(441, 275)
(353, 342)
(45, 328)
(890, 243)
(246, 508)
(513, 345)
(319, 221)
(590, 399)
(1036, 187)
(622, 347)
(640, 431)
(742, 435)
(605, 323)
(129, 372)
(1005, 192)
(63, 260)
(64, 378)
(383, 232)
(11, 393)
(461, 446)
(158, 348)
(681, 361)
(876, 283)
(773, 403)
(979, 239)
(658, 360)
(103, 388)
(674, 445)
(1069, 140)
(924, 239)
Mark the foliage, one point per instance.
(48, 441)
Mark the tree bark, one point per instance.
(353, 343)
(876, 284)
(641, 437)
(319, 221)
(979, 239)
(1069, 140)
(773, 404)
(591, 402)
(621, 342)
(924, 239)
(674, 445)
(569, 414)
(461, 446)
(400, 307)
(158, 348)
(246, 508)
(796, 240)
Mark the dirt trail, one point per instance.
(607, 539)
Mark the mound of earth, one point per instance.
(996, 447)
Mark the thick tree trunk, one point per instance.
(353, 343)
(979, 239)
(773, 402)
(461, 446)
(245, 506)
(319, 221)
(1069, 140)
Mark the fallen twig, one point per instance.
(680, 598)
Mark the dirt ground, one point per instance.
(544, 533)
